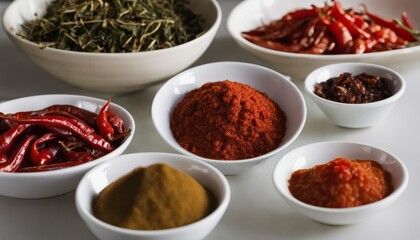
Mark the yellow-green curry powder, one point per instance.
(153, 198)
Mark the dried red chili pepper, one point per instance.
(391, 25)
(405, 20)
(84, 115)
(41, 155)
(301, 14)
(300, 32)
(8, 137)
(17, 156)
(77, 127)
(116, 122)
(340, 14)
(72, 156)
(69, 153)
(51, 167)
(341, 33)
(104, 127)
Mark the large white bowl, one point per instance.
(355, 115)
(111, 72)
(280, 89)
(320, 153)
(250, 14)
(101, 176)
(57, 182)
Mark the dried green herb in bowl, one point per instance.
(114, 26)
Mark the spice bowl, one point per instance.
(313, 154)
(111, 72)
(54, 182)
(276, 86)
(248, 15)
(102, 175)
(356, 115)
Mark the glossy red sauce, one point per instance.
(341, 183)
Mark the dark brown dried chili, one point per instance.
(348, 88)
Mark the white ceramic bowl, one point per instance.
(101, 176)
(355, 115)
(111, 72)
(319, 153)
(276, 86)
(57, 182)
(250, 14)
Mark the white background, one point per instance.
(256, 211)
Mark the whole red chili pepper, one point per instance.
(339, 31)
(8, 137)
(401, 32)
(17, 156)
(405, 20)
(77, 127)
(104, 127)
(50, 167)
(41, 155)
(340, 14)
(85, 115)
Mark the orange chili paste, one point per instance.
(228, 121)
(341, 183)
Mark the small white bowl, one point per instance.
(111, 72)
(57, 182)
(276, 86)
(355, 115)
(250, 14)
(320, 153)
(101, 176)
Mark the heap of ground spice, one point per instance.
(228, 121)
(153, 198)
(341, 183)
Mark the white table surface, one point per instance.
(256, 211)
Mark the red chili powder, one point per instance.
(341, 183)
(228, 120)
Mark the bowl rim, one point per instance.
(73, 169)
(394, 97)
(385, 201)
(220, 209)
(175, 145)
(236, 34)
(11, 32)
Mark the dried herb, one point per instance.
(114, 25)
